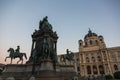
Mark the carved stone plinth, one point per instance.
(46, 65)
(43, 71)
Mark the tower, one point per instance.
(80, 42)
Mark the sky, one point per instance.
(71, 19)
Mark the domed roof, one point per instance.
(101, 36)
(90, 34)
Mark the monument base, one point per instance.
(46, 65)
(43, 71)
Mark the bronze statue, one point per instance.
(44, 24)
(67, 51)
(69, 56)
(45, 49)
(44, 41)
(18, 49)
(14, 55)
(33, 57)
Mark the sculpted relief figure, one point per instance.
(46, 48)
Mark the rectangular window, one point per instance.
(78, 68)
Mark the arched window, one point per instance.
(80, 44)
(100, 39)
(101, 69)
(90, 42)
(99, 58)
(77, 59)
(85, 43)
(96, 42)
(88, 69)
(95, 70)
(87, 59)
(78, 68)
(93, 59)
(115, 67)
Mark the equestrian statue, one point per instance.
(16, 54)
(67, 57)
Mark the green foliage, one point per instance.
(117, 75)
(108, 77)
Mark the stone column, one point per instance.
(105, 71)
(102, 56)
(82, 70)
(32, 46)
(109, 64)
(56, 47)
(85, 71)
(107, 55)
(84, 58)
(98, 69)
(91, 69)
(90, 58)
(33, 66)
(75, 66)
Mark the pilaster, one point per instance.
(98, 69)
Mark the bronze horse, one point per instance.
(68, 56)
(14, 55)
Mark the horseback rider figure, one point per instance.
(68, 56)
(68, 52)
(17, 51)
(16, 54)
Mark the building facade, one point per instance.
(94, 58)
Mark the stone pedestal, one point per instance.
(46, 65)
(43, 71)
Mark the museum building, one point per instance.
(94, 58)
